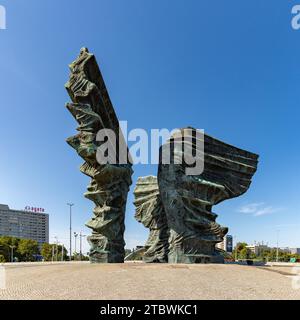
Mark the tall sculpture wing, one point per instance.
(93, 110)
(188, 199)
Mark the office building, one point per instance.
(31, 223)
(258, 248)
(226, 244)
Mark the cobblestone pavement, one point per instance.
(146, 281)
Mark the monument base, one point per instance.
(154, 260)
(104, 251)
(195, 258)
(193, 250)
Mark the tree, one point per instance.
(46, 251)
(5, 247)
(241, 246)
(244, 253)
(27, 249)
(85, 258)
(59, 249)
(240, 251)
(52, 249)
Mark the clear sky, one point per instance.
(228, 67)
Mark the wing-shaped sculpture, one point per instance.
(186, 200)
(93, 110)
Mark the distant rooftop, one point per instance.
(4, 207)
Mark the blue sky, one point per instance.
(228, 67)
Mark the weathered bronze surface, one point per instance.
(150, 212)
(92, 109)
(185, 201)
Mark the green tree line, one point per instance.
(242, 252)
(15, 249)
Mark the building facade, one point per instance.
(258, 249)
(226, 244)
(24, 224)
(295, 250)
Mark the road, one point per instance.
(147, 281)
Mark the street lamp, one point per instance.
(277, 250)
(81, 236)
(236, 248)
(62, 252)
(12, 252)
(52, 253)
(70, 205)
(75, 236)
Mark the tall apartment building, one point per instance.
(24, 224)
(226, 244)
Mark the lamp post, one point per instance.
(277, 250)
(236, 248)
(56, 249)
(12, 253)
(70, 205)
(62, 252)
(81, 236)
(75, 236)
(52, 253)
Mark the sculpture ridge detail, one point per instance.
(150, 212)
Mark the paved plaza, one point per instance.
(147, 281)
